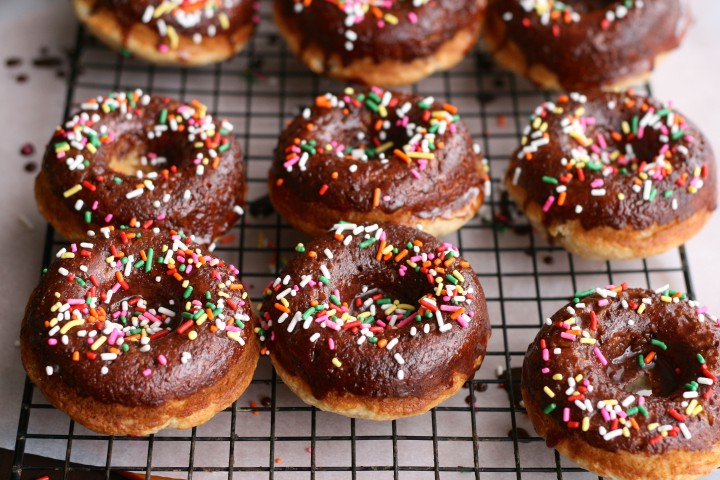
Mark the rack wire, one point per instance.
(270, 434)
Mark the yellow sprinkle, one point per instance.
(98, 342)
(578, 377)
(285, 302)
(697, 410)
(425, 155)
(641, 308)
(224, 21)
(557, 376)
(653, 426)
(664, 433)
(55, 307)
(201, 319)
(337, 362)
(691, 406)
(387, 249)
(585, 424)
(591, 341)
(71, 324)
(53, 322)
(621, 196)
(67, 255)
(384, 147)
(458, 275)
(90, 147)
(382, 111)
(192, 335)
(391, 19)
(173, 36)
(666, 299)
(626, 432)
(570, 321)
(405, 306)
(185, 285)
(549, 392)
(72, 191)
(234, 336)
(610, 402)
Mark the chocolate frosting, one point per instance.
(180, 197)
(212, 353)
(622, 335)
(129, 13)
(322, 25)
(453, 178)
(690, 157)
(592, 52)
(430, 359)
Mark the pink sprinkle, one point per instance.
(52, 341)
(331, 344)
(412, 17)
(147, 372)
(701, 310)
(162, 359)
(597, 183)
(605, 414)
(548, 203)
(600, 356)
(73, 247)
(602, 302)
(546, 354)
(75, 301)
(601, 141)
(566, 414)
(545, 370)
(641, 401)
(108, 217)
(462, 321)
(569, 336)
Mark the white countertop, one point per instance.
(32, 109)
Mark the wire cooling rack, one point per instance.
(482, 432)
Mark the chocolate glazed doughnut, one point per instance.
(139, 160)
(377, 156)
(622, 381)
(139, 332)
(613, 175)
(580, 44)
(387, 43)
(375, 321)
(194, 32)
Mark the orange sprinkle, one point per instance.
(400, 154)
(380, 249)
(376, 197)
(449, 108)
(401, 255)
(76, 356)
(561, 198)
(382, 342)
(649, 357)
(282, 308)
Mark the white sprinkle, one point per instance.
(686, 433)
(315, 336)
(49, 370)
(392, 343)
(400, 374)
(613, 434)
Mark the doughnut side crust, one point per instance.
(142, 40)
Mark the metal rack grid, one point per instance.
(480, 431)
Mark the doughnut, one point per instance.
(131, 159)
(613, 175)
(580, 45)
(139, 332)
(622, 381)
(377, 156)
(387, 43)
(185, 32)
(375, 321)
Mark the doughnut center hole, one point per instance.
(371, 290)
(132, 155)
(666, 375)
(585, 6)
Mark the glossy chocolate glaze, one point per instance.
(450, 180)
(431, 359)
(583, 54)
(129, 13)
(201, 204)
(634, 211)
(677, 325)
(322, 25)
(124, 383)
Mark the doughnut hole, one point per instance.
(585, 6)
(146, 289)
(665, 376)
(131, 153)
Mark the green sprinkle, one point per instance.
(584, 293)
(700, 358)
(88, 216)
(80, 281)
(550, 408)
(372, 339)
(148, 264)
(308, 312)
(163, 116)
(224, 147)
(641, 360)
(324, 279)
(632, 411)
(643, 410)
(667, 193)
(552, 180)
(653, 194)
(139, 264)
(452, 279)
(188, 291)
(300, 247)
(308, 148)
(658, 343)
(372, 105)
(334, 299)
(125, 347)
(384, 301)
(367, 243)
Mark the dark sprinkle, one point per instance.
(261, 207)
(30, 167)
(266, 402)
(60, 73)
(22, 78)
(481, 387)
(27, 149)
(522, 435)
(47, 62)
(511, 384)
(548, 260)
(468, 400)
(13, 62)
